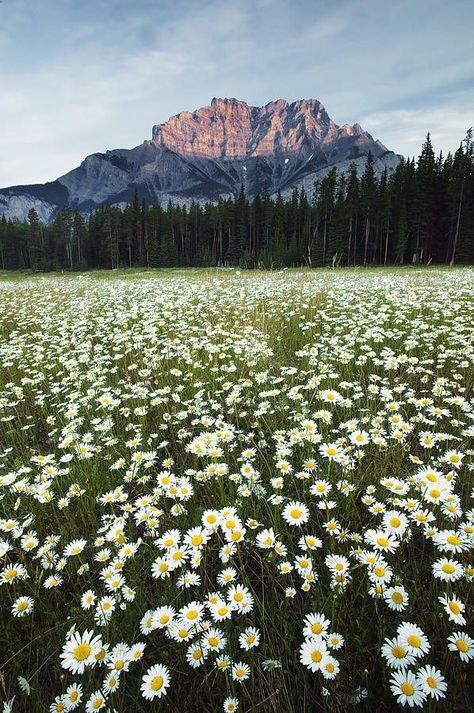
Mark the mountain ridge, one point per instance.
(208, 154)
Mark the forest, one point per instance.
(422, 213)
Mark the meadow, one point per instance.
(237, 491)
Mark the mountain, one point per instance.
(208, 154)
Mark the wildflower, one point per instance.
(462, 644)
(240, 672)
(79, 651)
(155, 682)
(313, 653)
(432, 682)
(407, 689)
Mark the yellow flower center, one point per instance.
(295, 513)
(448, 568)
(462, 645)
(196, 540)
(316, 628)
(432, 682)
(382, 541)
(395, 521)
(156, 683)
(397, 598)
(453, 539)
(316, 656)
(414, 641)
(407, 689)
(82, 652)
(213, 641)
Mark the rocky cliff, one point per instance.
(208, 154)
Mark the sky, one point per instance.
(80, 76)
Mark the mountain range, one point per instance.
(209, 154)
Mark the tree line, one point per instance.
(423, 212)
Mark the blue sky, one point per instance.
(78, 76)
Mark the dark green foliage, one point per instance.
(423, 212)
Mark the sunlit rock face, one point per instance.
(209, 154)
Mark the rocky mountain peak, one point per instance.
(229, 128)
(208, 154)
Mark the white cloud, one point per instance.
(405, 130)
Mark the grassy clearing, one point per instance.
(280, 463)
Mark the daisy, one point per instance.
(315, 625)
(266, 539)
(332, 451)
(249, 639)
(240, 671)
(22, 606)
(413, 638)
(221, 610)
(454, 608)
(155, 682)
(330, 667)
(227, 576)
(74, 548)
(111, 682)
(230, 705)
(396, 598)
(96, 702)
(462, 644)
(191, 613)
(313, 653)
(451, 541)
(213, 639)
(148, 622)
(397, 654)
(335, 640)
(432, 682)
(295, 513)
(80, 651)
(163, 616)
(382, 540)
(447, 570)
(73, 696)
(196, 655)
(88, 599)
(407, 689)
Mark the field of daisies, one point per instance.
(235, 491)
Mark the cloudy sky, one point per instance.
(79, 76)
